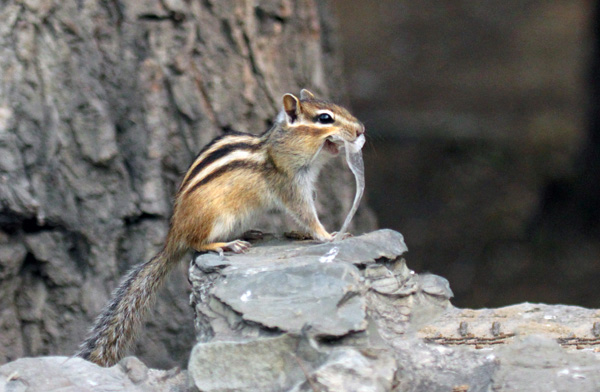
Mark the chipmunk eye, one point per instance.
(324, 118)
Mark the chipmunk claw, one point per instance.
(343, 236)
(237, 246)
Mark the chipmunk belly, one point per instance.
(228, 226)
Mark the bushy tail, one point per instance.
(116, 327)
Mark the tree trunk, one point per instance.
(103, 105)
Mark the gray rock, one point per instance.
(410, 338)
(571, 326)
(271, 364)
(538, 364)
(291, 316)
(348, 369)
(289, 298)
(426, 367)
(365, 249)
(64, 374)
(336, 302)
(288, 286)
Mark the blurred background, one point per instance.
(484, 140)
(483, 148)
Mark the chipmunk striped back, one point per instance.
(219, 156)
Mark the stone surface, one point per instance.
(538, 364)
(293, 286)
(54, 374)
(271, 364)
(573, 327)
(278, 319)
(411, 338)
(287, 299)
(427, 367)
(348, 369)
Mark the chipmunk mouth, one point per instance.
(331, 146)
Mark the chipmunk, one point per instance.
(234, 178)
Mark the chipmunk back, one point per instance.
(233, 179)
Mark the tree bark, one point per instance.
(103, 105)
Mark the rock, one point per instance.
(48, 374)
(271, 364)
(318, 295)
(538, 363)
(365, 249)
(426, 367)
(371, 324)
(288, 298)
(299, 316)
(347, 369)
(571, 326)
(278, 364)
(290, 286)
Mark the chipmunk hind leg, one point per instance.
(225, 226)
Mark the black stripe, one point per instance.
(218, 153)
(221, 137)
(242, 164)
(215, 140)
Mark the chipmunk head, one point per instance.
(325, 122)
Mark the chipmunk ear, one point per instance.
(292, 107)
(305, 94)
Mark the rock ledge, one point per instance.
(346, 316)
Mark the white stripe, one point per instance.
(234, 139)
(236, 155)
(229, 140)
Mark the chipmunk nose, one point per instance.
(360, 130)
